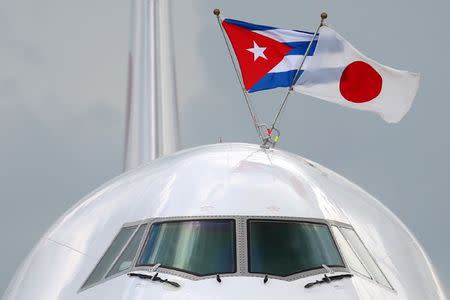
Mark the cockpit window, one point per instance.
(357, 256)
(350, 256)
(125, 259)
(365, 256)
(283, 248)
(199, 247)
(110, 255)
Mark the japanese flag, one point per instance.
(341, 74)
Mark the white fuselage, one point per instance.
(223, 180)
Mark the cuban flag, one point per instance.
(268, 57)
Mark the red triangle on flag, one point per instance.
(256, 53)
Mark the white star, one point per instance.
(257, 51)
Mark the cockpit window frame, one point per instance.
(241, 248)
(234, 240)
(249, 220)
(241, 252)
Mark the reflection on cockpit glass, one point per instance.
(283, 248)
(200, 247)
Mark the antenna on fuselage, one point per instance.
(152, 113)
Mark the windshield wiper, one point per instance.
(328, 279)
(154, 278)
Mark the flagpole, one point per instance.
(323, 16)
(244, 91)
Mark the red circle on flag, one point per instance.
(360, 82)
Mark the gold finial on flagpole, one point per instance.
(323, 16)
(216, 12)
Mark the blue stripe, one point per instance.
(300, 48)
(251, 26)
(274, 80)
(248, 26)
(308, 32)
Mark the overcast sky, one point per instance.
(62, 102)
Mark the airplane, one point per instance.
(221, 221)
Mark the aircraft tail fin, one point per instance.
(152, 124)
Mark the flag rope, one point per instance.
(244, 91)
(323, 16)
